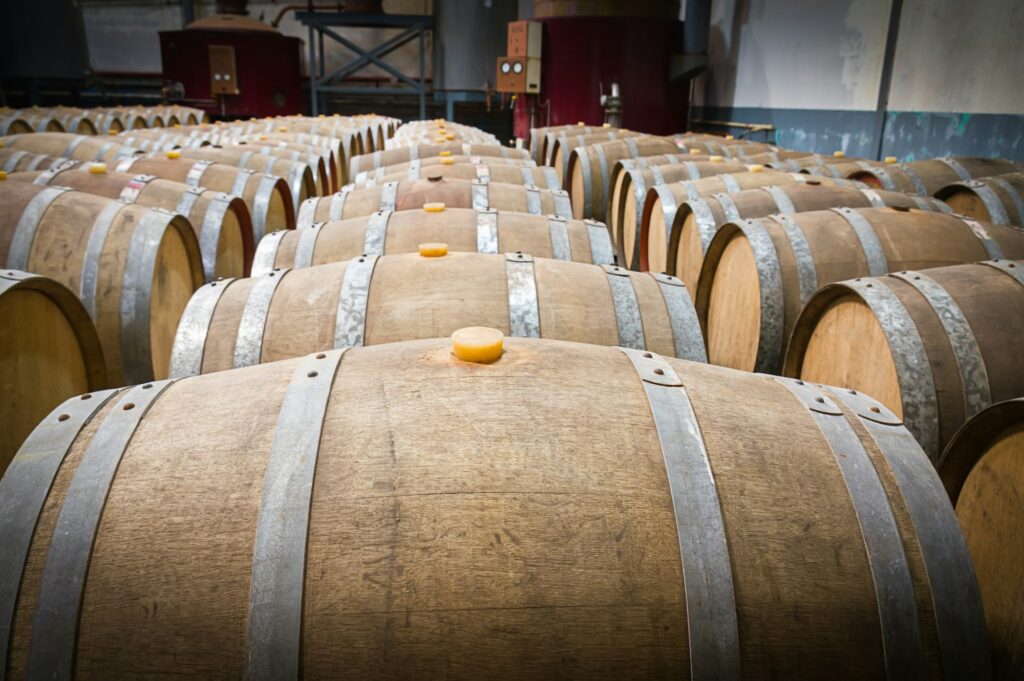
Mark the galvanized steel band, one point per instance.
(376, 232)
(890, 572)
(730, 183)
(249, 340)
(1013, 268)
(913, 372)
(388, 196)
(686, 335)
(732, 213)
(627, 307)
(601, 250)
(350, 321)
(266, 252)
(306, 248)
(562, 204)
(873, 198)
(915, 179)
(769, 277)
(533, 200)
(89, 278)
(336, 206)
(487, 230)
(991, 246)
(973, 375)
(874, 254)
(23, 491)
(25, 231)
(960, 171)
(210, 231)
(193, 329)
(781, 199)
(480, 198)
(559, 230)
(711, 619)
(55, 624)
(806, 271)
(274, 639)
(1015, 197)
(955, 597)
(523, 307)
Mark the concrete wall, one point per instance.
(122, 35)
(814, 70)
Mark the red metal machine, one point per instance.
(234, 66)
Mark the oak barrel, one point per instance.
(134, 268)
(626, 208)
(539, 176)
(49, 351)
(266, 196)
(561, 146)
(463, 229)
(221, 221)
(588, 170)
(983, 473)
(998, 199)
(696, 221)
(759, 274)
(411, 153)
(454, 193)
(298, 174)
(936, 346)
(474, 521)
(373, 299)
(445, 158)
(69, 145)
(14, 160)
(929, 176)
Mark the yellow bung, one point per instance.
(715, 159)
(839, 153)
(433, 207)
(445, 153)
(479, 344)
(433, 250)
(755, 168)
(891, 159)
(447, 161)
(97, 168)
(173, 154)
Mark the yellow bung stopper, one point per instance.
(838, 153)
(173, 154)
(321, 116)
(891, 159)
(729, 137)
(111, 132)
(444, 153)
(282, 128)
(177, 125)
(434, 250)
(715, 159)
(439, 140)
(606, 125)
(581, 124)
(447, 161)
(97, 168)
(433, 207)
(695, 150)
(450, 136)
(755, 168)
(263, 138)
(3, 175)
(480, 344)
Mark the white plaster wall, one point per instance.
(960, 56)
(796, 53)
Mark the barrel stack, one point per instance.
(613, 405)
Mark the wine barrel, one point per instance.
(981, 469)
(589, 170)
(540, 138)
(563, 144)
(68, 145)
(374, 299)
(542, 176)
(298, 175)
(75, 120)
(221, 221)
(759, 274)
(12, 124)
(266, 196)
(780, 156)
(409, 195)
(633, 194)
(41, 121)
(134, 268)
(663, 201)
(929, 176)
(453, 499)
(13, 161)
(342, 148)
(393, 156)
(727, 148)
(697, 221)
(445, 158)
(321, 160)
(936, 346)
(463, 229)
(50, 352)
(998, 199)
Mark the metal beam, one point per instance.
(885, 83)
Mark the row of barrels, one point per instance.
(96, 121)
(467, 487)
